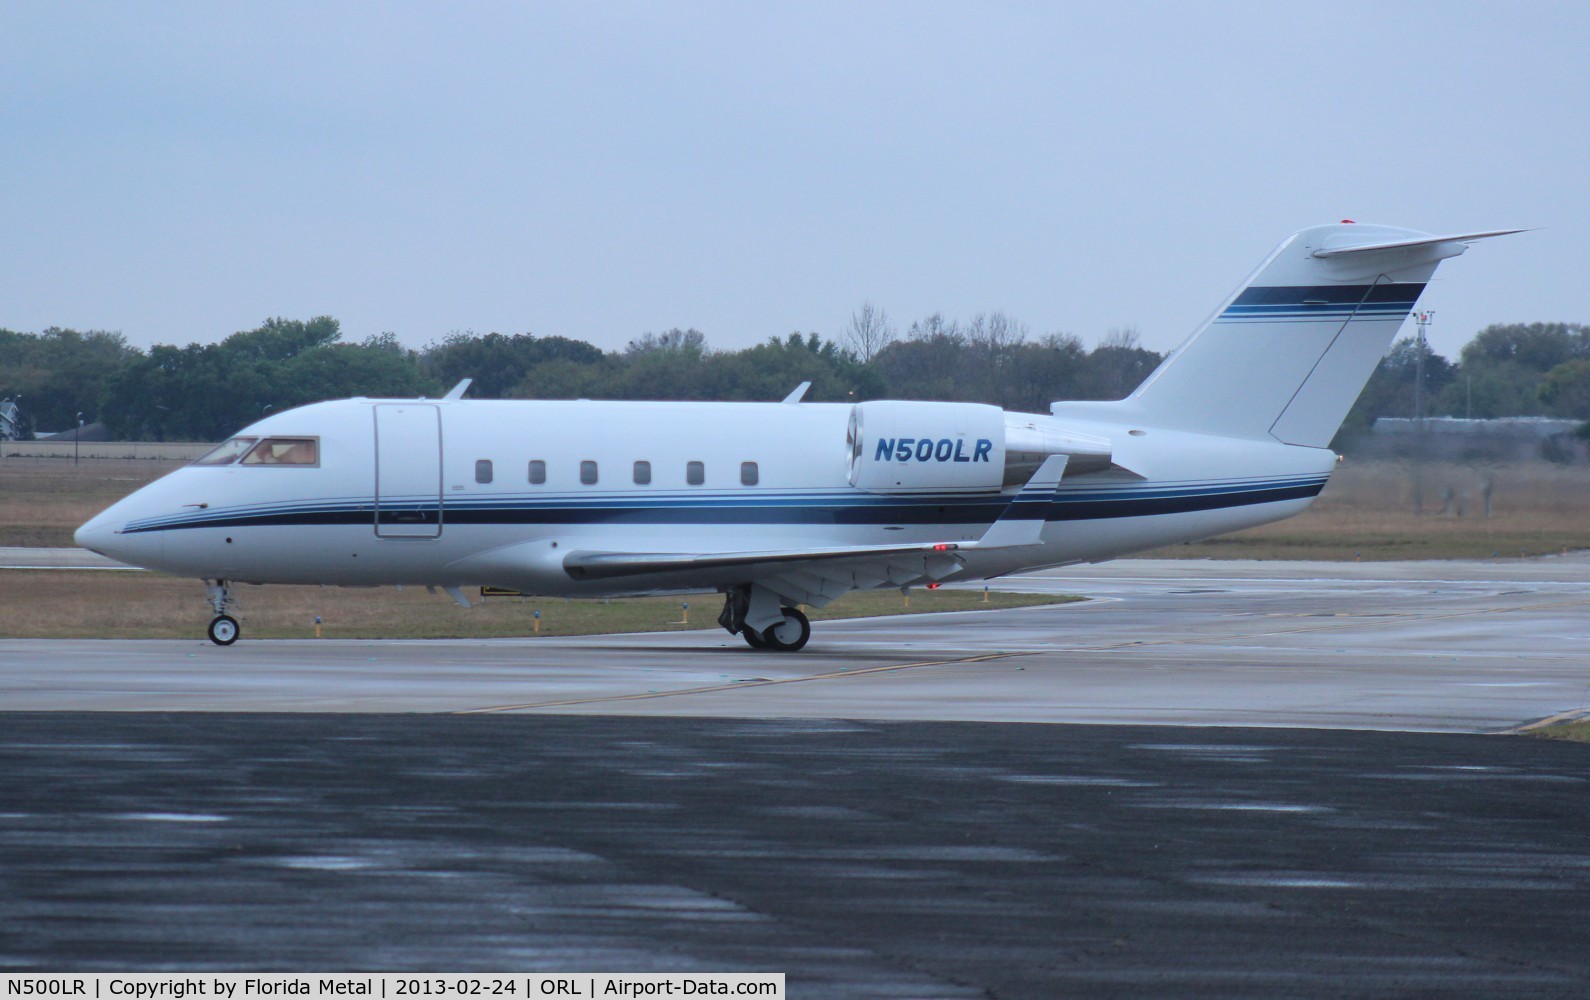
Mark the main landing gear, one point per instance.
(786, 635)
(784, 629)
(224, 629)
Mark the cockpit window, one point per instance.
(226, 452)
(284, 451)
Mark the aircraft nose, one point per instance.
(98, 534)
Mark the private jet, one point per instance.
(790, 504)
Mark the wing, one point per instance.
(801, 576)
(817, 576)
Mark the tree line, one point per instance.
(1506, 370)
(204, 392)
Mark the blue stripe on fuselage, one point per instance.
(829, 509)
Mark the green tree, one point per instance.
(1566, 390)
(207, 392)
(281, 339)
(59, 373)
(497, 363)
(772, 368)
(1501, 372)
(1041, 372)
(564, 378)
(1537, 347)
(1117, 366)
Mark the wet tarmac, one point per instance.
(882, 859)
(1289, 798)
(1456, 647)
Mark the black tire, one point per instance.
(224, 630)
(753, 638)
(775, 635)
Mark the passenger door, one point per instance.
(408, 470)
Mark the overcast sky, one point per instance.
(178, 171)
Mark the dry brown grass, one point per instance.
(43, 501)
(113, 604)
(1574, 732)
(1367, 512)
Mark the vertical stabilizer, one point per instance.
(1286, 356)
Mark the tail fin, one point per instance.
(1289, 353)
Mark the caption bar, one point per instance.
(388, 985)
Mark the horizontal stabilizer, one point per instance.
(1422, 241)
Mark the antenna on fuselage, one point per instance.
(798, 393)
(457, 391)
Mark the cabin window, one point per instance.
(226, 452)
(538, 472)
(695, 473)
(642, 473)
(284, 451)
(748, 474)
(588, 472)
(482, 470)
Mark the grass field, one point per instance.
(1576, 732)
(1368, 512)
(43, 502)
(109, 604)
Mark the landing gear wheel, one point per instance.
(753, 638)
(790, 634)
(223, 630)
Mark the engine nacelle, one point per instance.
(1031, 439)
(901, 447)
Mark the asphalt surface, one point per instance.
(1456, 647)
(863, 859)
(1322, 820)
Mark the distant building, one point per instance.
(10, 421)
(1460, 440)
(88, 432)
(1530, 428)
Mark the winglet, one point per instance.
(1023, 520)
(457, 391)
(798, 393)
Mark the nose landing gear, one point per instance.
(224, 629)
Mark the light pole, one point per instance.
(76, 436)
(1424, 319)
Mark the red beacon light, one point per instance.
(1349, 222)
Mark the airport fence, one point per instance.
(56, 450)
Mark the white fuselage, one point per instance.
(440, 492)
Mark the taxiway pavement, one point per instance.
(851, 815)
(1438, 646)
(864, 859)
